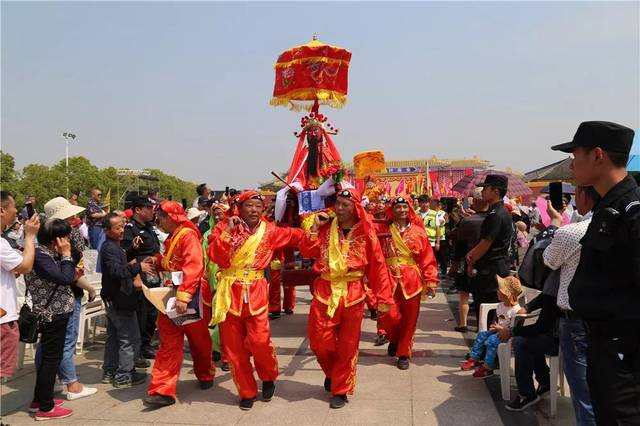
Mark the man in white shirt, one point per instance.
(564, 253)
(12, 263)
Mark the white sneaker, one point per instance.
(86, 391)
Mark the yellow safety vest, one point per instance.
(430, 224)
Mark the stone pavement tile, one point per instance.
(447, 387)
(382, 381)
(202, 412)
(371, 412)
(454, 412)
(280, 410)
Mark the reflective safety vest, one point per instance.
(430, 220)
(443, 228)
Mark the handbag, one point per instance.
(29, 322)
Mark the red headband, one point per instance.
(176, 213)
(398, 199)
(237, 201)
(353, 195)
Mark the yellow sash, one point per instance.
(240, 270)
(405, 257)
(338, 274)
(166, 259)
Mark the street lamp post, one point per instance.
(67, 137)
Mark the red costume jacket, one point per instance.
(413, 273)
(187, 256)
(364, 256)
(223, 245)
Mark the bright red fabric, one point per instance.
(166, 368)
(334, 340)
(242, 337)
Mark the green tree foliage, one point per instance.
(48, 182)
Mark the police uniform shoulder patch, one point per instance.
(129, 225)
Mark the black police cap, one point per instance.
(142, 202)
(611, 137)
(496, 181)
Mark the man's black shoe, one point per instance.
(338, 401)
(542, 389)
(246, 404)
(374, 314)
(158, 400)
(520, 402)
(392, 348)
(327, 384)
(403, 363)
(142, 363)
(381, 340)
(205, 384)
(225, 366)
(216, 356)
(274, 315)
(288, 311)
(268, 389)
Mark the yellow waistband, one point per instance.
(244, 275)
(404, 261)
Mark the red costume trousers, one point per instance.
(166, 368)
(274, 293)
(248, 335)
(401, 321)
(335, 343)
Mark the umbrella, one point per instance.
(567, 188)
(634, 156)
(516, 187)
(312, 73)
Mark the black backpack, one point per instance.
(533, 272)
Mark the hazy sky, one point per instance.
(185, 87)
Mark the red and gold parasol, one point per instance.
(312, 72)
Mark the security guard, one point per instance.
(606, 286)
(490, 257)
(140, 241)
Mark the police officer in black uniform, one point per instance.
(605, 290)
(490, 257)
(140, 241)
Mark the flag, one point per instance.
(106, 202)
(428, 191)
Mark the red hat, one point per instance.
(399, 199)
(176, 213)
(237, 200)
(128, 213)
(354, 196)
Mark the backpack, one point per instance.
(533, 272)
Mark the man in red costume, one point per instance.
(242, 247)
(346, 250)
(414, 271)
(182, 253)
(275, 287)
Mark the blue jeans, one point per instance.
(486, 347)
(95, 237)
(123, 342)
(530, 358)
(67, 368)
(573, 345)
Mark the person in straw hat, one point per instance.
(61, 208)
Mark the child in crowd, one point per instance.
(486, 344)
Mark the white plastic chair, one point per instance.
(504, 358)
(90, 310)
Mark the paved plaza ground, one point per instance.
(432, 392)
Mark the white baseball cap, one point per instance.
(192, 213)
(61, 208)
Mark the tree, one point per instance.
(8, 178)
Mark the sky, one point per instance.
(185, 87)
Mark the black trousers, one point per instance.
(52, 343)
(442, 256)
(613, 371)
(147, 317)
